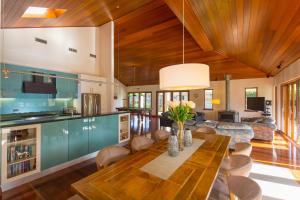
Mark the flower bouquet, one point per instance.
(180, 112)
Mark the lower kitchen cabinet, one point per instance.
(109, 130)
(103, 132)
(95, 134)
(78, 138)
(54, 144)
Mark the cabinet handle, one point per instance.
(66, 132)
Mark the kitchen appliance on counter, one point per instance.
(90, 104)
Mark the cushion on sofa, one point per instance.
(228, 125)
(266, 120)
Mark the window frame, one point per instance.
(256, 88)
(212, 97)
(171, 91)
(139, 99)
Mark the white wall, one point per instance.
(120, 91)
(289, 74)
(20, 48)
(105, 59)
(237, 95)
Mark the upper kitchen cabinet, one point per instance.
(12, 83)
(66, 88)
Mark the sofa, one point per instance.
(263, 127)
(237, 131)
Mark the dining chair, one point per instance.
(206, 129)
(242, 148)
(110, 155)
(140, 142)
(235, 187)
(161, 135)
(239, 165)
(244, 188)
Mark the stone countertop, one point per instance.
(39, 120)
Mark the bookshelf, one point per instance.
(20, 152)
(124, 127)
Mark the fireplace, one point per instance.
(228, 115)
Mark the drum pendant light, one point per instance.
(185, 76)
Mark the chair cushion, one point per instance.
(140, 142)
(238, 165)
(242, 148)
(110, 155)
(244, 188)
(161, 135)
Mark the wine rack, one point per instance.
(124, 127)
(20, 152)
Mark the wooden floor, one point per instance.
(57, 186)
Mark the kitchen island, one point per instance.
(52, 143)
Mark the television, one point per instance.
(256, 103)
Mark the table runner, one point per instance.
(164, 165)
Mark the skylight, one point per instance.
(42, 12)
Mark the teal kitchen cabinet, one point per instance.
(94, 134)
(67, 88)
(109, 130)
(54, 145)
(103, 132)
(78, 138)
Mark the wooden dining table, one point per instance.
(125, 179)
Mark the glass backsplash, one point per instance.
(16, 105)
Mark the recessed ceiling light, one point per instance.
(42, 12)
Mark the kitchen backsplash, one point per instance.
(13, 100)
(16, 105)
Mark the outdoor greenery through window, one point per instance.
(250, 92)
(139, 99)
(208, 96)
(162, 99)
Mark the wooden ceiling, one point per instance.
(260, 33)
(151, 38)
(80, 13)
(245, 38)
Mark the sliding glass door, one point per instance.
(163, 97)
(290, 98)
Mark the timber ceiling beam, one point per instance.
(191, 22)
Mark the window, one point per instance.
(290, 114)
(208, 96)
(250, 92)
(140, 100)
(162, 99)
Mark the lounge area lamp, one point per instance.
(185, 76)
(216, 101)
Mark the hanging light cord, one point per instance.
(183, 31)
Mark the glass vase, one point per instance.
(188, 138)
(180, 135)
(173, 149)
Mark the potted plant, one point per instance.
(180, 112)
